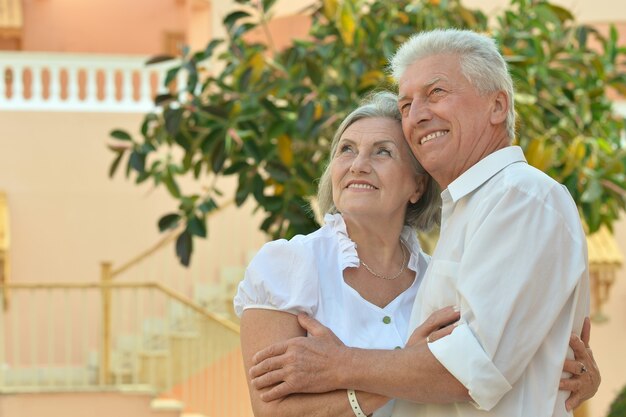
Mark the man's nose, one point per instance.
(419, 112)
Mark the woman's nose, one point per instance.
(360, 164)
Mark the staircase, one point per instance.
(123, 343)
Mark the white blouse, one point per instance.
(305, 274)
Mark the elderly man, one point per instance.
(512, 257)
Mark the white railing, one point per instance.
(79, 82)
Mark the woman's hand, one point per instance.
(439, 324)
(585, 378)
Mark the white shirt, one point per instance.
(305, 274)
(512, 255)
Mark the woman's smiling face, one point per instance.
(372, 170)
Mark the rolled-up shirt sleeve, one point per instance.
(464, 358)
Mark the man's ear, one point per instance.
(421, 181)
(500, 108)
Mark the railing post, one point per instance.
(2, 336)
(106, 278)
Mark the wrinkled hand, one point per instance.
(439, 324)
(585, 378)
(299, 365)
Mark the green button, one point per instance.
(387, 320)
(397, 347)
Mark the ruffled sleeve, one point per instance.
(282, 276)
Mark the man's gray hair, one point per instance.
(481, 62)
(421, 215)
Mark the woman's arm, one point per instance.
(261, 328)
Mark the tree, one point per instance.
(268, 116)
(618, 406)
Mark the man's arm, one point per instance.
(321, 363)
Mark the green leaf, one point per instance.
(563, 14)
(243, 29)
(243, 190)
(170, 75)
(218, 157)
(184, 247)
(173, 118)
(121, 135)
(251, 149)
(172, 186)
(231, 18)
(159, 58)
(244, 80)
(137, 161)
(236, 167)
(278, 172)
(207, 206)
(258, 186)
(115, 164)
(197, 226)
(267, 4)
(169, 221)
(208, 51)
(314, 71)
(268, 222)
(162, 99)
(592, 192)
(147, 121)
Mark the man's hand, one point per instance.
(299, 365)
(585, 378)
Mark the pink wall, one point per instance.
(103, 26)
(98, 404)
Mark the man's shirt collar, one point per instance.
(483, 170)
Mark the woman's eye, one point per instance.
(345, 148)
(436, 90)
(384, 151)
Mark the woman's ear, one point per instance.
(421, 181)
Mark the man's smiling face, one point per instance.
(448, 124)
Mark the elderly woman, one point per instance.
(358, 274)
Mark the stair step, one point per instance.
(166, 404)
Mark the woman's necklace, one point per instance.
(396, 275)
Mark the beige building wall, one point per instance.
(114, 26)
(608, 340)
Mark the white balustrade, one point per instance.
(80, 82)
